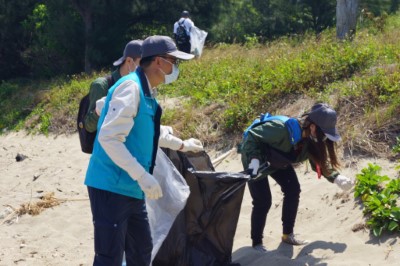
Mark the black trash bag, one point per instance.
(199, 161)
(203, 233)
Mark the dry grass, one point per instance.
(46, 201)
(366, 132)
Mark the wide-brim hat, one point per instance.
(325, 118)
(160, 45)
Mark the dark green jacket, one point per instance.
(270, 142)
(98, 89)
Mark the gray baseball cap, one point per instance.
(160, 45)
(133, 49)
(325, 117)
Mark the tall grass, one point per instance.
(247, 81)
(231, 84)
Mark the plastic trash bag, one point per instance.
(197, 39)
(203, 232)
(162, 212)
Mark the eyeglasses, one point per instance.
(171, 59)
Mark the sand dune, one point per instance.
(63, 234)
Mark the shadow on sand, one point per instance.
(283, 255)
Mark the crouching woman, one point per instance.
(271, 143)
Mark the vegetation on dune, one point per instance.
(359, 78)
(231, 84)
(379, 196)
(42, 106)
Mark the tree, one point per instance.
(376, 7)
(346, 18)
(321, 13)
(85, 10)
(109, 25)
(13, 38)
(54, 45)
(394, 5)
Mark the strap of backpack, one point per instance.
(110, 81)
(182, 23)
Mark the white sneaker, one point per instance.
(260, 248)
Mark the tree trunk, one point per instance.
(86, 14)
(346, 18)
(88, 30)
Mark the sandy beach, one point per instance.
(63, 234)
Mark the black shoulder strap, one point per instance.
(182, 23)
(110, 81)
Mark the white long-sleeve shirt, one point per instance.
(119, 121)
(187, 22)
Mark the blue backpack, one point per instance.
(292, 125)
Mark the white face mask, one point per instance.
(169, 78)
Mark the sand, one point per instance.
(63, 234)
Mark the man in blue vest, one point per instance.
(119, 175)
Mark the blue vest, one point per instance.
(142, 140)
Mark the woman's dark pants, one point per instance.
(261, 193)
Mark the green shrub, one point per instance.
(379, 199)
(244, 81)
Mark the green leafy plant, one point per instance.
(368, 181)
(396, 150)
(380, 199)
(396, 147)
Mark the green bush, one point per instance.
(243, 81)
(379, 199)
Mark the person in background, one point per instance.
(270, 142)
(119, 176)
(98, 89)
(182, 29)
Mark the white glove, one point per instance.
(100, 105)
(344, 182)
(254, 165)
(167, 140)
(150, 186)
(167, 129)
(193, 145)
